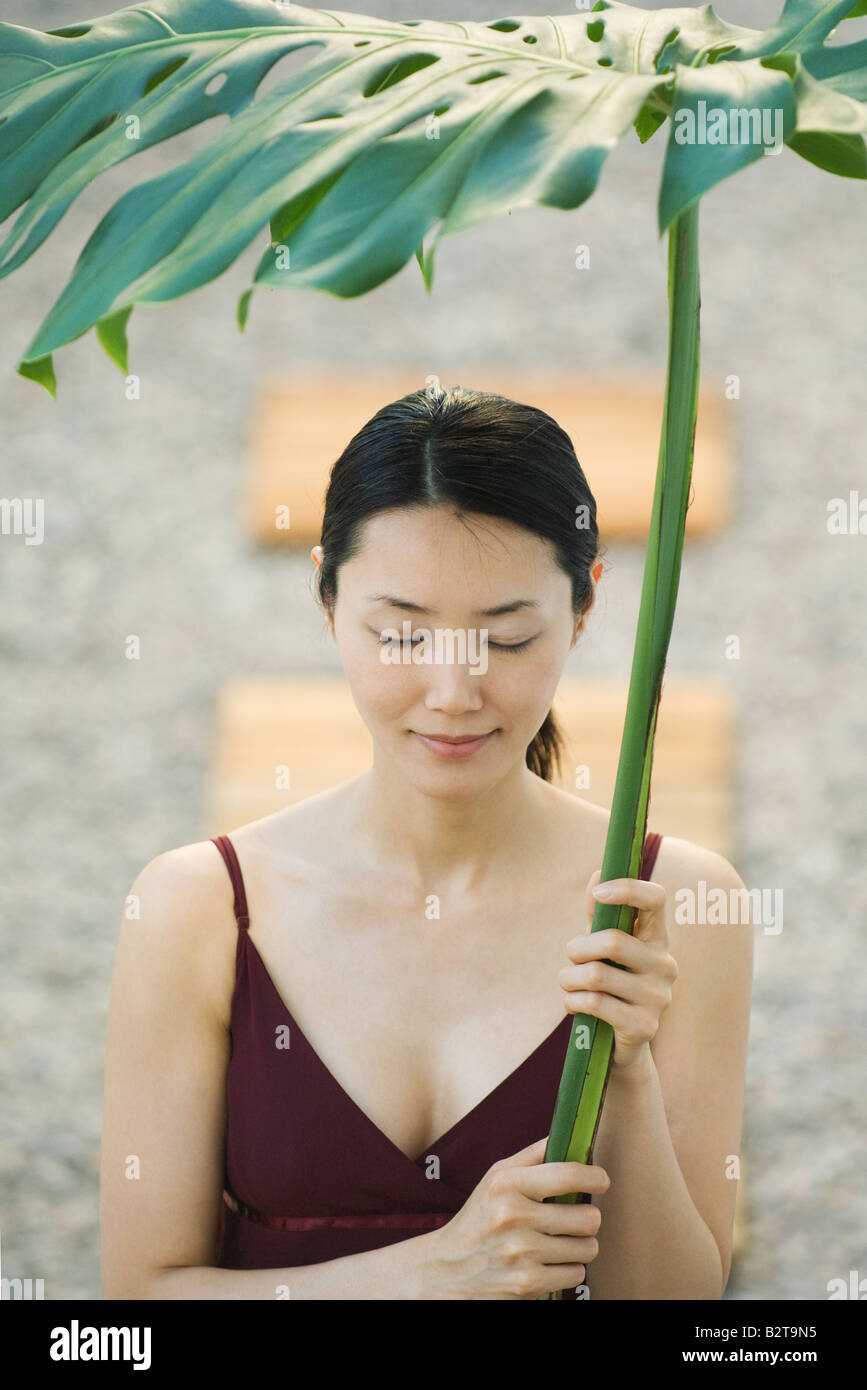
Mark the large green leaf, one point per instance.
(802, 24)
(840, 69)
(381, 134)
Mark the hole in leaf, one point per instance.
(72, 31)
(530, 38)
(604, 62)
(162, 73)
(596, 30)
(720, 52)
(361, 43)
(485, 77)
(669, 38)
(441, 110)
(217, 81)
(286, 65)
(398, 72)
(102, 124)
(505, 26)
(410, 124)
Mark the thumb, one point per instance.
(534, 1153)
(589, 899)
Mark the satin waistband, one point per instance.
(402, 1221)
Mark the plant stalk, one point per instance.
(588, 1058)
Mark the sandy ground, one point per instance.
(106, 760)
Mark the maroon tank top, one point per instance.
(308, 1176)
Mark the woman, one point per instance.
(324, 1074)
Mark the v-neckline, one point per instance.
(450, 1132)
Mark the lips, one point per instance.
(454, 745)
(454, 738)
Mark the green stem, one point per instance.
(588, 1057)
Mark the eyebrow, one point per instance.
(512, 607)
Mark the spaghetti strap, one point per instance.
(227, 849)
(651, 849)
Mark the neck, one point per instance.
(448, 844)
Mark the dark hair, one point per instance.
(480, 453)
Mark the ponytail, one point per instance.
(545, 753)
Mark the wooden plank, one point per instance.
(303, 423)
(305, 731)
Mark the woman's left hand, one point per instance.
(633, 999)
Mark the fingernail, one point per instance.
(602, 890)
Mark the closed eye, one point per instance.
(413, 642)
(512, 646)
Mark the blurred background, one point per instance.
(110, 761)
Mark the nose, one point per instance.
(453, 688)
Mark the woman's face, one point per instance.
(425, 568)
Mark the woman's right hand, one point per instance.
(508, 1242)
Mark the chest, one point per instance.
(418, 1010)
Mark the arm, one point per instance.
(670, 1129)
(167, 1049)
(395, 1272)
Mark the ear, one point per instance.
(582, 619)
(317, 554)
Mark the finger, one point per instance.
(556, 1179)
(561, 1250)
(533, 1153)
(612, 944)
(624, 950)
(562, 1276)
(575, 1219)
(596, 976)
(649, 898)
(633, 1023)
(638, 892)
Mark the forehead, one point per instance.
(431, 549)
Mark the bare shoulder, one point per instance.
(708, 912)
(682, 862)
(178, 922)
(679, 863)
(304, 841)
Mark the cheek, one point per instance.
(530, 683)
(381, 690)
(548, 675)
(521, 688)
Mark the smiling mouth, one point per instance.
(454, 738)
